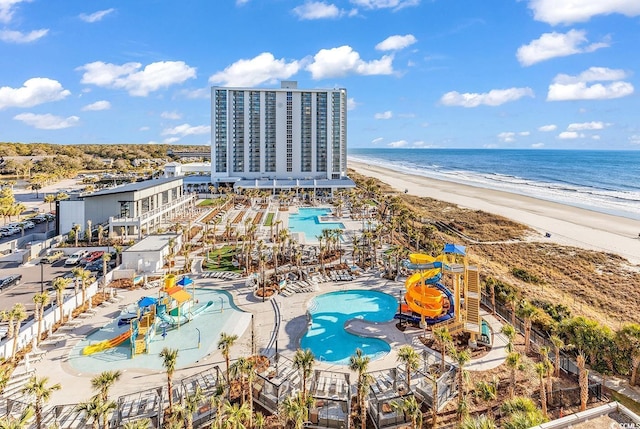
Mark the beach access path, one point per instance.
(567, 225)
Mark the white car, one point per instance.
(74, 259)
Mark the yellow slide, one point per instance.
(106, 344)
(422, 299)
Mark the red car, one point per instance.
(93, 256)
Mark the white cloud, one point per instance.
(196, 93)
(98, 105)
(170, 115)
(47, 121)
(566, 87)
(241, 2)
(384, 115)
(385, 4)
(11, 36)
(552, 45)
(569, 11)
(138, 82)
(587, 126)
(96, 16)
(377, 140)
(548, 128)
(351, 103)
(186, 130)
(170, 140)
(399, 143)
(570, 135)
(34, 91)
(507, 137)
(144, 128)
(595, 137)
(495, 97)
(537, 145)
(635, 139)
(524, 133)
(255, 71)
(317, 10)
(395, 43)
(342, 61)
(7, 9)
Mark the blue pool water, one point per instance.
(210, 323)
(307, 222)
(326, 336)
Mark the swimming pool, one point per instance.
(326, 336)
(307, 222)
(206, 328)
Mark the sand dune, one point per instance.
(567, 225)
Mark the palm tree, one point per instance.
(84, 275)
(295, 409)
(461, 357)
(103, 382)
(583, 381)
(9, 422)
(443, 339)
(488, 392)
(512, 299)
(59, 285)
(19, 313)
(510, 332)
(628, 339)
(527, 311)
(558, 344)
(514, 362)
(100, 234)
(97, 409)
(216, 402)
(89, 231)
(50, 198)
(479, 422)
(541, 369)
(41, 391)
(169, 361)
(303, 361)
(191, 402)
(360, 364)
(106, 257)
(41, 300)
(544, 354)
(225, 343)
(236, 415)
(76, 232)
(409, 407)
(138, 424)
(521, 413)
(411, 360)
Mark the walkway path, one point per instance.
(498, 352)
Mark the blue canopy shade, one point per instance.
(185, 281)
(147, 301)
(457, 249)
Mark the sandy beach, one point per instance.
(568, 225)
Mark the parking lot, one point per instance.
(32, 274)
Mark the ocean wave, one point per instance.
(605, 200)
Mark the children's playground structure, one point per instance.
(174, 306)
(443, 290)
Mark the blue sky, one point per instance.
(418, 73)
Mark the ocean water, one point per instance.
(602, 181)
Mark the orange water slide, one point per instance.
(106, 344)
(422, 299)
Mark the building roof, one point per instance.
(152, 243)
(132, 187)
(294, 183)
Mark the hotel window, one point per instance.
(238, 131)
(254, 131)
(305, 132)
(270, 132)
(321, 131)
(220, 135)
(289, 131)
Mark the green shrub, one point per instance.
(523, 275)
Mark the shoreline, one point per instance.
(568, 225)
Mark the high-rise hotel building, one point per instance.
(279, 138)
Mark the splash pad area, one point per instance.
(194, 340)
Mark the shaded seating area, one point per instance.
(275, 383)
(387, 387)
(139, 405)
(208, 381)
(422, 380)
(332, 394)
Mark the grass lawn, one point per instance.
(221, 260)
(269, 220)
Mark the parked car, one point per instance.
(93, 256)
(74, 259)
(97, 265)
(39, 218)
(9, 281)
(52, 256)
